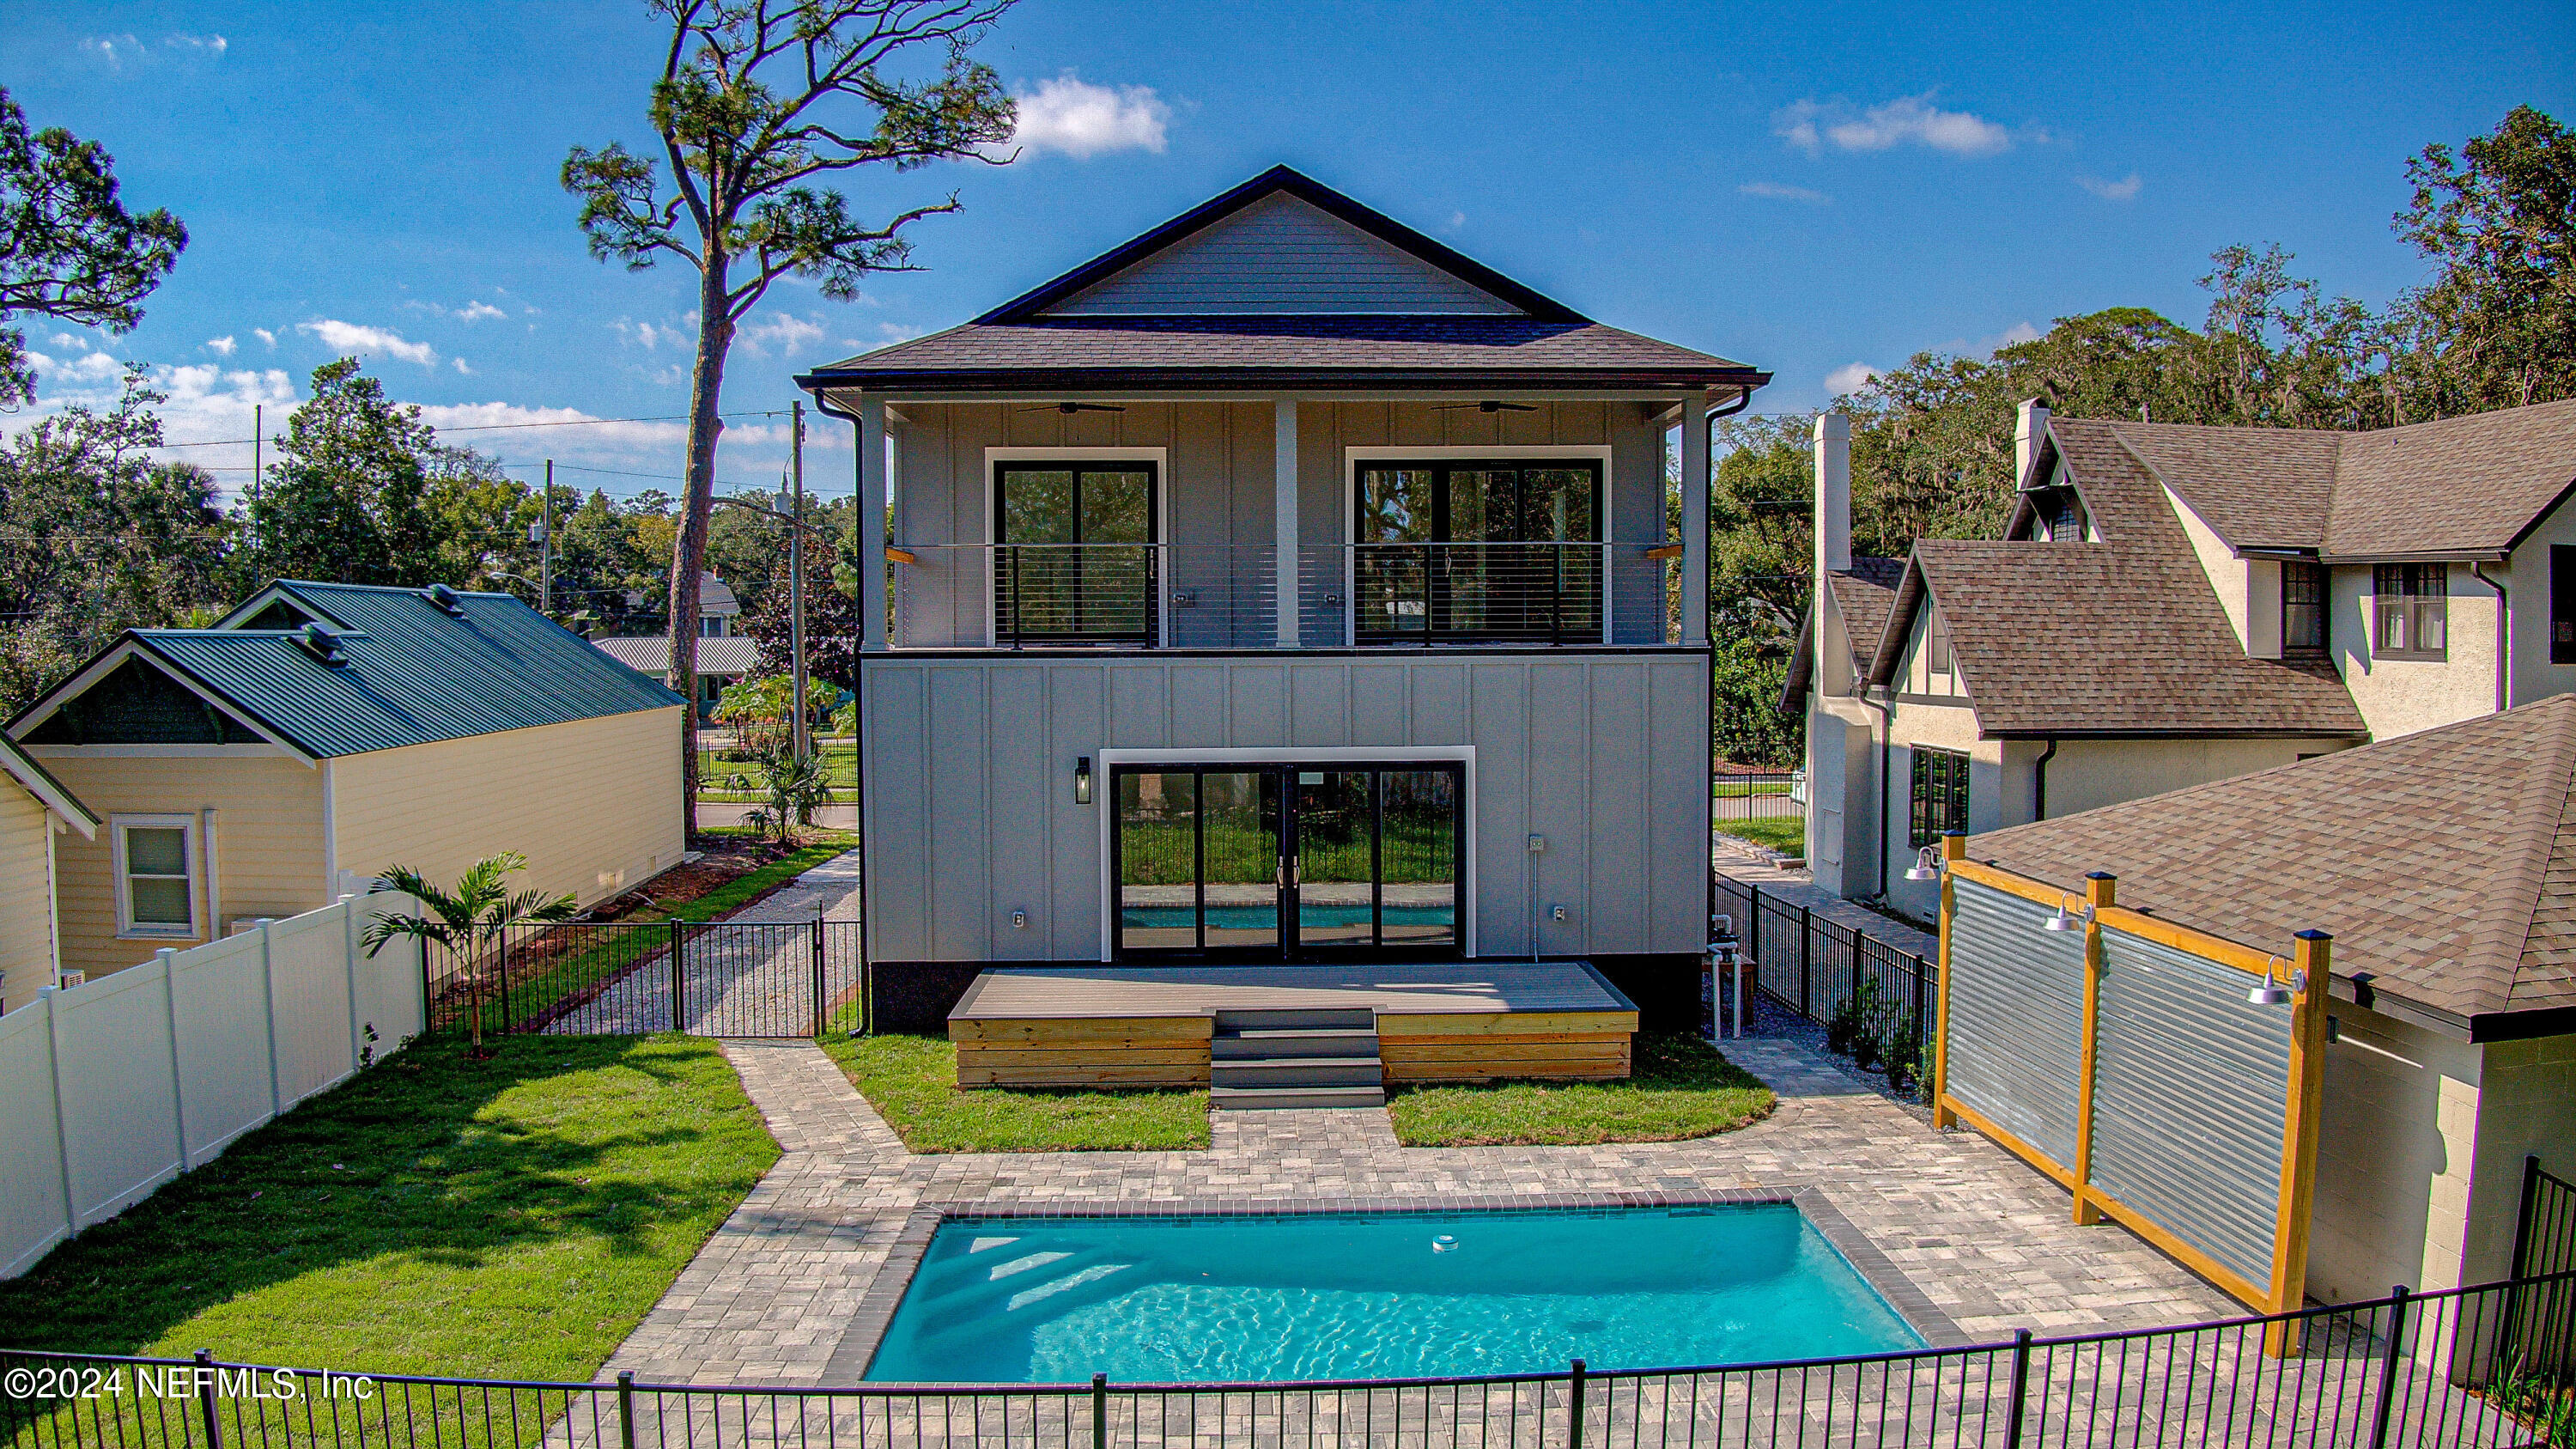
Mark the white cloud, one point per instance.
(649, 336)
(1850, 377)
(361, 339)
(1082, 120)
(1457, 219)
(207, 402)
(470, 312)
(1777, 192)
(1908, 120)
(2124, 189)
(220, 346)
(461, 367)
(782, 330)
(264, 335)
(116, 52)
(2014, 335)
(88, 365)
(208, 46)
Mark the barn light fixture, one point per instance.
(1927, 864)
(2064, 920)
(1082, 780)
(2272, 992)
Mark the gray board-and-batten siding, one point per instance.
(1219, 488)
(970, 814)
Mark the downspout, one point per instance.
(1886, 732)
(2039, 782)
(2504, 638)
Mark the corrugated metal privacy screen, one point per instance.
(2016, 1025)
(2191, 1088)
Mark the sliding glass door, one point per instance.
(1289, 862)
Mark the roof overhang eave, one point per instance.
(1271, 380)
(2487, 554)
(2201, 732)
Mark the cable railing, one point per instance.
(1226, 596)
(2426, 1371)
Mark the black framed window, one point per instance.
(1940, 796)
(2411, 606)
(2562, 604)
(1464, 549)
(1074, 558)
(2303, 608)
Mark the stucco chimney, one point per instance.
(1833, 494)
(2026, 435)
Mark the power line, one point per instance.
(501, 427)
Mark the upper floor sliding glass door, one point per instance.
(1074, 557)
(1469, 550)
(1289, 862)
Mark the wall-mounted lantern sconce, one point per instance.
(1927, 864)
(2272, 992)
(1082, 780)
(2066, 920)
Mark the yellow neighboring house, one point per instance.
(321, 733)
(34, 808)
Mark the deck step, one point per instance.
(1271, 1043)
(1364, 1071)
(1240, 1098)
(1289, 1018)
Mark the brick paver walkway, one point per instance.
(774, 1295)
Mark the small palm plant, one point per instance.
(789, 789)
(465, 920)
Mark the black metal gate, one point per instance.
(608, 978)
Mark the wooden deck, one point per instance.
(1068, 1026)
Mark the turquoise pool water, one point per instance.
(1395, 1295)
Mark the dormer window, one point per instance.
(711, 626)
(2303, 609)
(2057, 515)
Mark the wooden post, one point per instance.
(2100, 889)
(2313, 959)
(1954, 846)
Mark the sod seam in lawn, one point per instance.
(912, 1082)
(509, 1218)
(1682, 1088)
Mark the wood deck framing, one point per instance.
(1120, 1026)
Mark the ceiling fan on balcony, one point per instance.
(1490, 406)
(1074, 407)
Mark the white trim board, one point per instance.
(102, 666)
(1104, 800)
(1353, 456)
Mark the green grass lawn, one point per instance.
(510, 1218)
(912, 1082)
(1682, 1088)
(1785, 833)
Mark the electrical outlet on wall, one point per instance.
(1556, 913)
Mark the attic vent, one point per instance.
(445, 598)
(320, 641)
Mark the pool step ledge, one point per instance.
(1295, 1058)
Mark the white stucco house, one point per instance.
(2170, 605)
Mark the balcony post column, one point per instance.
(1283, 432)
(1695, 517)
(873, 535)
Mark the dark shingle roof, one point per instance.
(1248, 350)
(1863, 595)
(2472, 484)
(2443, 863)
(414, 673)
(2124, 636)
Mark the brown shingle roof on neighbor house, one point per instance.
(1143, 349)
(1865, 595)
(2467, 485)
(2443, 863)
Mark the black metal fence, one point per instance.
(1755, 795)
(1835, 975)
(595, 978)
(2429, 1371)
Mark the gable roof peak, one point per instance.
(1469, 275)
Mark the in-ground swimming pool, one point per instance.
(1388, 1295)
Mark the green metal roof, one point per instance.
(414, 673)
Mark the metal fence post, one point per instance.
(2389, 1359)
(2521, 1258)
(206, 1399)
(2020, 1388)
(818, 975)
(1574, 1408)
(626, 1408)
(679, 975)
(1099, 1411)
(505, 978)
(1806, 989)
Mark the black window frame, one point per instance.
(2414, 592)
(2314, 572)
(2562, 604)
(1938, 800)
(1545, 615)
(1008, 574)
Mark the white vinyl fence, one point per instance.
(111, 1089)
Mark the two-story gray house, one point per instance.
(1283, 587)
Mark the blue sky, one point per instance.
(1805, 188)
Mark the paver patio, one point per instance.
(782, 1293)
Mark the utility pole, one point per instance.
(251, 513)
(796, 574)
(546, 549)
